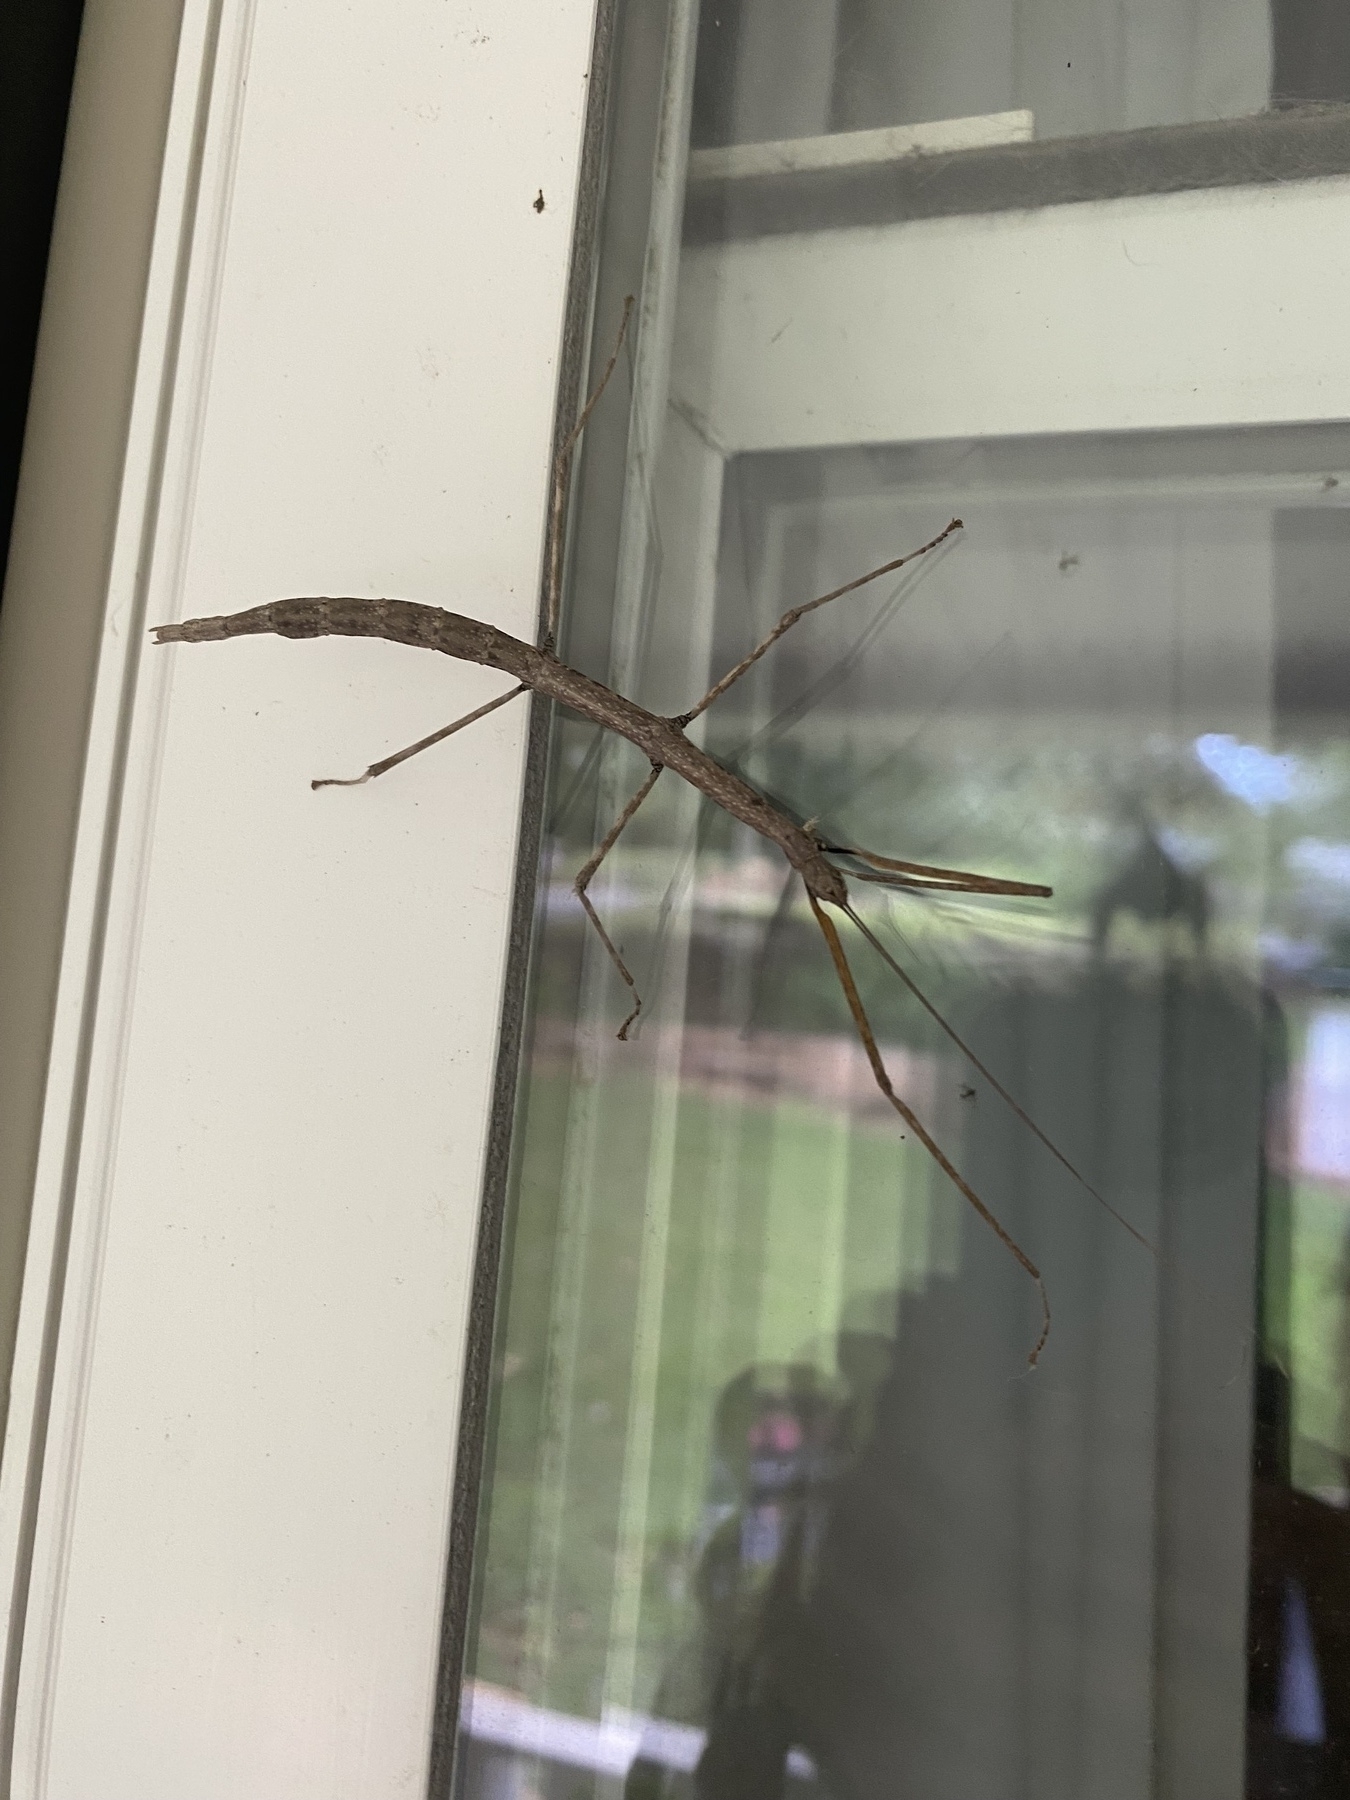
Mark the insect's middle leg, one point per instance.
(789, 619)
(585, 877)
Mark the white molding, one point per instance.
(94, 997)
(499, 111)
(58, 1159)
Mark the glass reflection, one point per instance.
(774, 1499)
(772, 1503)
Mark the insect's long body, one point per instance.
(661, 740)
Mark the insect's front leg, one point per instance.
(562, 476)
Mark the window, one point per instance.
(771, 1502)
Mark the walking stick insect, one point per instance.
(537, 669)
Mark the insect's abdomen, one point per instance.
(471, 640)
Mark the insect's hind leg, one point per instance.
(916, 1125)
(399, 756)
(587, 874)
(1018, 1111)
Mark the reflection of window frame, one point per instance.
(1270, 148)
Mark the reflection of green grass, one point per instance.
(773, 1218)
(1319, 1316)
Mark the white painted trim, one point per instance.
(103, 1701)
(116, 819)
(45, 1266)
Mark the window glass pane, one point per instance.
(773, 1502)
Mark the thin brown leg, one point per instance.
(993, 1080)
(925, 1137)
(583, 881)
(893, 873)
(392, 762)
(562, 477)
(789, 619)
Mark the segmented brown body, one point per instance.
(662, 741)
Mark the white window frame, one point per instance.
(225, 1493)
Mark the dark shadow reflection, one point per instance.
(962, 1578)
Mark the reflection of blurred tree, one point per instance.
(1156, 890)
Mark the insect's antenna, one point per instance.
(925, 1137)
(994, 1081)
(562, 478)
